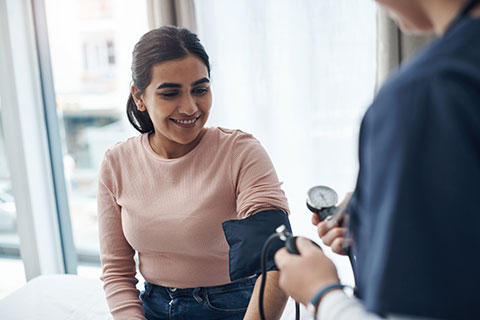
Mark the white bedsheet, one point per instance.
(71, 297)
(55, 297)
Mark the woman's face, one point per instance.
(178, 100)
(408, 14)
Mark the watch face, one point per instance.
(319, 197)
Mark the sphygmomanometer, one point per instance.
(271, 230)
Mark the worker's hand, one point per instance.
(333, 236)
(331, 233)
(302, 276)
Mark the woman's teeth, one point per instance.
(185, 121)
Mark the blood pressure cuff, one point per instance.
(246, 238)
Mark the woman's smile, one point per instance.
(186, 122)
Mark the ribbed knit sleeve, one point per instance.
(256, 183)
(117, 256)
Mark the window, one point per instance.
(12, 275)
(90, 45)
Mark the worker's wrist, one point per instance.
(314, 286)
(315, 300)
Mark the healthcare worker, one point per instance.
(415, 212)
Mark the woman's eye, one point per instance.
(200, 91)
(168, 94)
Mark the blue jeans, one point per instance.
(227, 301)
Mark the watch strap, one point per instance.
(315, 301)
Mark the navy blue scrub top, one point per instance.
(415, 213)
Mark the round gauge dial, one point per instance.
(319, 197)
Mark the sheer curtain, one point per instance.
(299, 76)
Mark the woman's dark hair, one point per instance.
(156, 46)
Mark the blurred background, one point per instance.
(298, 75)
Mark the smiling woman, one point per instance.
(179, 194)
(178, 100)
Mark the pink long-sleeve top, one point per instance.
(171, 211)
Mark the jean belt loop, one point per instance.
(148, 289)
(197, 296)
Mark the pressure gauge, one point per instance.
(322, 201)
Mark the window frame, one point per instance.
(32, 140)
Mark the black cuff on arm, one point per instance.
(246, 238)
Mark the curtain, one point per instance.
(171, 12)
(393, 46)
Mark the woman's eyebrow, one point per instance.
(177, 85)
(203, 80)
(169, 85)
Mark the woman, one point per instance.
(184, 196)
(414, 215)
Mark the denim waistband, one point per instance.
(200, 291)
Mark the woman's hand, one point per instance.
(302, 276)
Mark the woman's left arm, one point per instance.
(259, 190)
(274, 299)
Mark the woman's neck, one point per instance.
(442, 12)
(169, 149)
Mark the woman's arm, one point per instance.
(259, 190)
(274, 299)
(118, 265)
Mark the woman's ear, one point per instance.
(137, 97)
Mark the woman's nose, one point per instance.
(188, 105)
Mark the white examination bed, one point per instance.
(71, 297)
(55, 297)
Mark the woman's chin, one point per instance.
(415, 30)
(419, 25)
